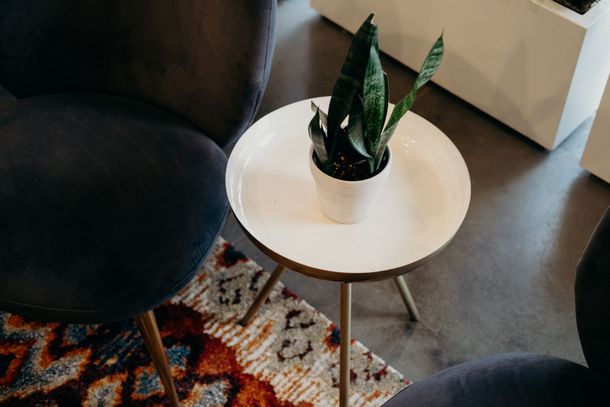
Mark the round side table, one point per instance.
(273, 197)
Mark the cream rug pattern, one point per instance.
(288, 343)
(287, 356)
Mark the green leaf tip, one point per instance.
(317, 137)
(361, 95)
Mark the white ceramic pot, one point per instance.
(347, 201)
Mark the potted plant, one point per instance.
(580, 6)
(350, 159)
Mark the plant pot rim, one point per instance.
(351, 182)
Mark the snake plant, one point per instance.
(580, 6)
(355, 149)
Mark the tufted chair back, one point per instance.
(179, 55)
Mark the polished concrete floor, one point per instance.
(505, 283)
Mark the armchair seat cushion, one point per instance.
(508, 380)
(107, 206)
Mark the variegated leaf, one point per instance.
(323, 116)
(317, 138)
(374, 99)
(428, 69)
(350, 79)
(356, 128)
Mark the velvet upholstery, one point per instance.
(112, 179)
(107, 206)
(111, 173)
(207, 61)
(5, 95)
(524, 380)
(508, 380)
(593, 298)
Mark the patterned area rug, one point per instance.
(287, 356)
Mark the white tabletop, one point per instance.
(273, 196)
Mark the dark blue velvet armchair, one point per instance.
(111, 168)
(531, 380)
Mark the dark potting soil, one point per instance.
(351, 167)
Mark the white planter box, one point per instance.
(596, 158)
(535, 65)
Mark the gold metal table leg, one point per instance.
(262, 296)
(344, 350)
(407, 298)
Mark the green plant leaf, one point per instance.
(386, 134)
(383, 142)
(317, 138)
(350, 79)
(323, 116)
(375, 98)
(428, 69)
(356, 128)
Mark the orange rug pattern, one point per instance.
(287, 356)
